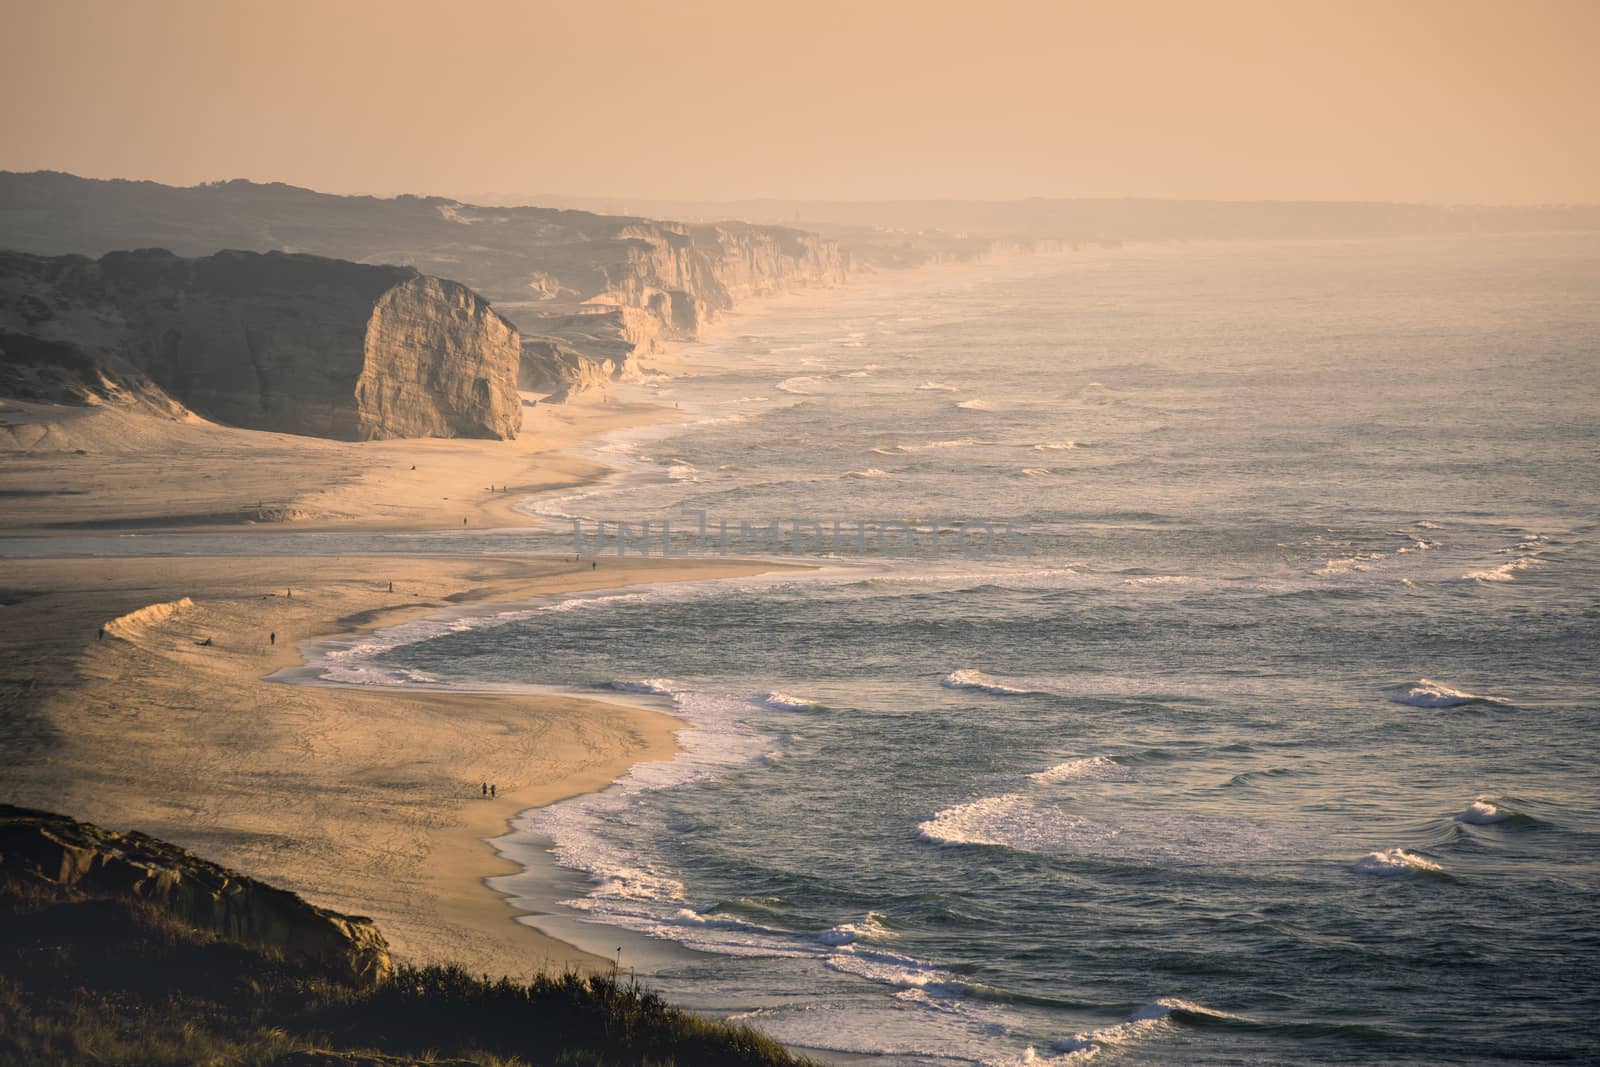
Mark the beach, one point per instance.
(363, 800)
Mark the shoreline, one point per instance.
(302, 785)
(362, 800)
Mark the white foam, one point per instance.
(1428, 693)
(930, 446)
(975, 404)
(797, 385)
(1013, 821)
(1392, 862)
(936, 387)
(780, 701)
(976, 679)
(1506, 572)
(659, 686)
(1481, 813)
(1035, 472)
(1054, 446)
(1090, 768)
(892, 968)
(871, 928)
(870, 472)
(1145, 1022)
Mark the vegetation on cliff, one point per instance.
(104, 960)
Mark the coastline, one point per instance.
(366, 801)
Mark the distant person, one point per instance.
(491, 792)
(593, 563)
(289, 593)
(463, 522)
(486, 790)
(102, 635)
(204, 644)
(272, 638)
(391, 587)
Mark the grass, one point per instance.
(114, 981)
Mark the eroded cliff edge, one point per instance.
(63, 855)
(591, 294)
(285, 342)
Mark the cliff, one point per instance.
(119, 948)
(546, 270)
(54, 853)
(291, 343)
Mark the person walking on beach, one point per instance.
(491, 792)
(272, 638)
(102, 635)
(486, 790)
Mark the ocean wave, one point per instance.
(975, 404)
(932, 446)
(871, 928)
(1090, 768)
(658, 686)
(936, 387)
(1482, 813)
(1055, 446)
(796, 385)
(1012, 821)
(870, 472)
(1427, 693)
(976, 679)
(1393, 862)
(1506, 572)
(892, 968)
(780, 701)
(1146, 1021)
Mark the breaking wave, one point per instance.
(975, 679)
(1393, 862)
(1090, 768)
(780, 701)
(1427, 693)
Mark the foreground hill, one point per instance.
(291, 343)
(590, 293)
(119, 948)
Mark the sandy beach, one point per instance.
(363, 800)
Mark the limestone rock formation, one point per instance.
(61, 852)
(276, 341)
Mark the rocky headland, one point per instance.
(591, 294)
(291, 343)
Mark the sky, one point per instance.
(1445, 101)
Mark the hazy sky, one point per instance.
(1438, 100)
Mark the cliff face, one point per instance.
(61, 853)
(546, 270)
(438, 362)
(290, 343)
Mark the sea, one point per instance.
(1198, 662)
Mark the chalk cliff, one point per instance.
(291, 343)
(592, 294)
